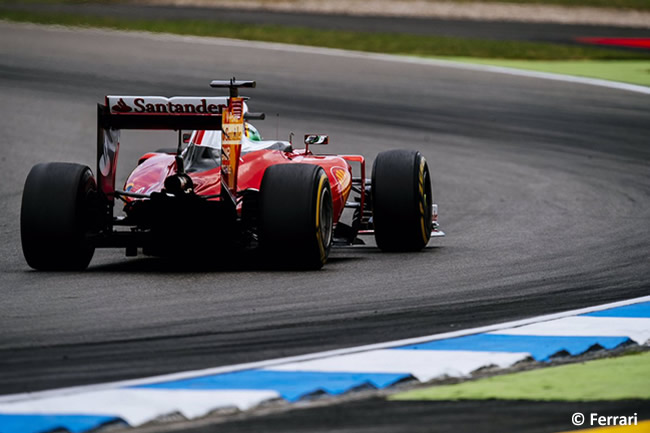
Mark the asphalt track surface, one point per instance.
(543, 189)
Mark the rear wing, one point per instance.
(158, 112)
(147, 112)
(226, 114)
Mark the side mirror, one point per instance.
(316, 139)
(186, 137)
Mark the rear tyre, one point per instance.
(296, 216)
(58, 210)
(401, 200)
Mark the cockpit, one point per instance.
(204, 149)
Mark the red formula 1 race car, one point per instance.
(221, 189)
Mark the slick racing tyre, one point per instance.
(57, 212)
(296, 216)
(401, 201)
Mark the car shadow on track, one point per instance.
(243, 262)
(218, 265)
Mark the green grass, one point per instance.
(626, 377)
(626, 71)
(371, 42)
(617, 4)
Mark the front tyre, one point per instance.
(57, 213)
(296, 216)
(401, 201)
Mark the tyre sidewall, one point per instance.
(290, 204)
(56, 215)
(401, 200)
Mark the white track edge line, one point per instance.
(276, 46)
(337, 352)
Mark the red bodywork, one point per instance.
(150, 175)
